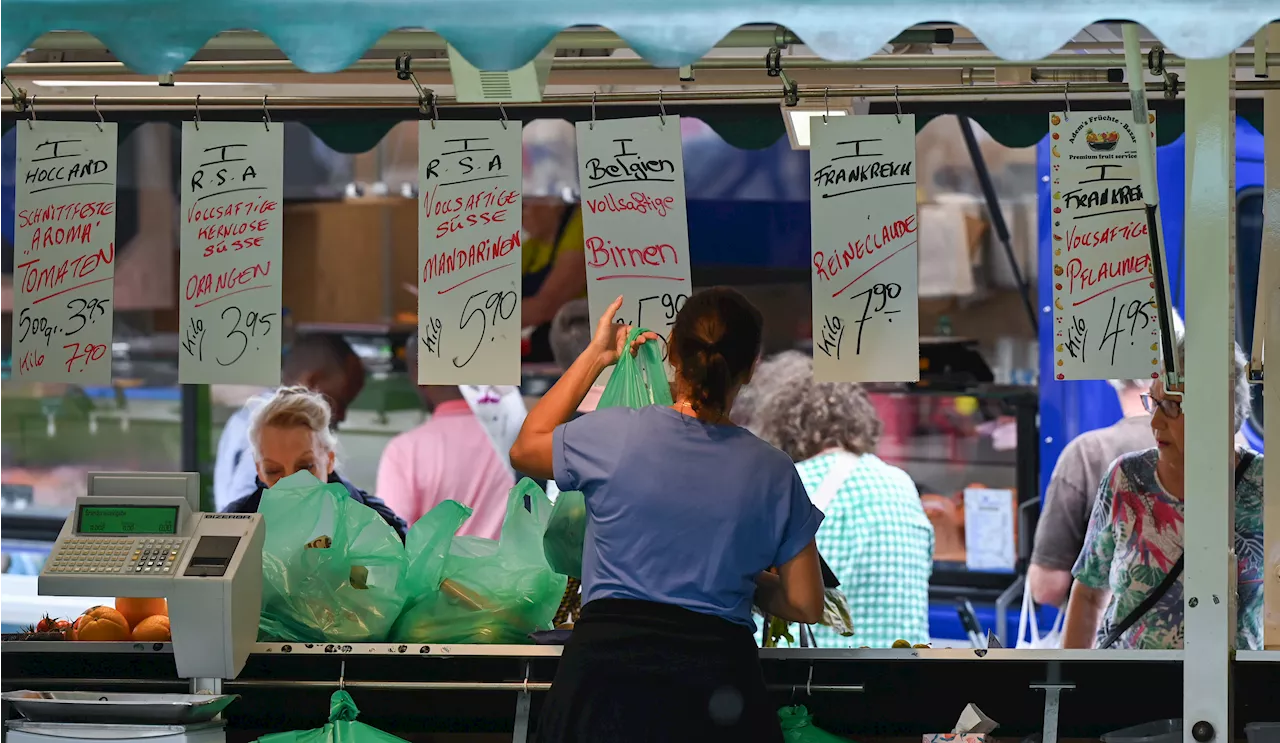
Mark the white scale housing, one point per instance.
(141, 535)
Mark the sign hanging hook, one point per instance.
(342, 676)
(266, 115)
(662, 110)
(31, 108)
(826, 104)
(101, 120)
(503, 112)
(897, 102)
(197, 120)
(592, 125)
(1066, 101)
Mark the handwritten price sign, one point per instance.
(64, 252)
(469, 175)
(634, 220)
(1104, 321)
(865, 295)
(232, 181)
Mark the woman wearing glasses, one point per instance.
(1128, 589)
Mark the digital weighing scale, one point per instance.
(142, 535)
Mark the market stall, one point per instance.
(382, 75)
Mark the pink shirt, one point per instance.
(449, 457)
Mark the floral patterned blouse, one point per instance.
(1134, 539)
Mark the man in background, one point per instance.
(1073, 488)
(321, 362)
(447, 457)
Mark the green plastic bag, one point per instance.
(475, 590)
(797, 727)
(566, 530)
(332, 569)
(637, 382)
(341, 728)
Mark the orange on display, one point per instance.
(136, 610)
(101, 624)
(153, 629)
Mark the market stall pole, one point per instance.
(1211, 569)
(1269, 290)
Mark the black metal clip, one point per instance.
(404, 69)
(773, 62)
(1155, 60)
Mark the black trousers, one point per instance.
(647, 672)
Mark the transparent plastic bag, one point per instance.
(566, 531)
(636, 382)
(797, 727)
(333, 570)
(484, 591)
(341, 728)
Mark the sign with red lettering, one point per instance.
(64, 246)
(469, 177)
(863, 204)
(232, 183)
(1104, 309)
(631, 172)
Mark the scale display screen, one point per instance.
(127, 520)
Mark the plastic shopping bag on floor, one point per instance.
(485, 591)
(797, 727)
(341, 728)
(332, 568)
(636, 382)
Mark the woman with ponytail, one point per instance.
(691, 520)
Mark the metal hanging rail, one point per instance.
(607, 64)
(410, 100)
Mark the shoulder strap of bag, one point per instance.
(1242, 466)
(841, 468)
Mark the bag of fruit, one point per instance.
(333, 570)
(475, 590)
(637, 381)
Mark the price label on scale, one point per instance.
(232, 182)
(64, 251)
(1104, 321)
(634, 220)
(863, 203)
(469, 175)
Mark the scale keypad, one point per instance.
(124, 555)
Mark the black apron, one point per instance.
(637, 671)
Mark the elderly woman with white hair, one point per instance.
(876, 536)
(1128, 592)
(291, 432)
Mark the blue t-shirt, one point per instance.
(679, 511)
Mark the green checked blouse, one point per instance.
(879, 542)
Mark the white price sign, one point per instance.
(64, 242)
(634, 220)
(863, 202)
(1104, 322)
(469, 175)
(232, 182)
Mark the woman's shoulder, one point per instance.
(1133, 471)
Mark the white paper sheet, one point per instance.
(1104, 321)
(634, 220)
(231, 229)
(989, 530)
(863, 203)
(469, 258)
(64, 251)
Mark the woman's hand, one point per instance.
(610, 339)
